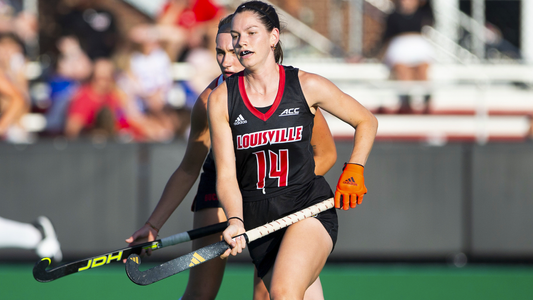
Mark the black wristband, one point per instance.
(237, 219)
(352, 164)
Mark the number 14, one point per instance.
(278, 167)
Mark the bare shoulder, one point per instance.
(204, 95)
(315, 87)
(217, 105)
(219, 93)
(310, 81)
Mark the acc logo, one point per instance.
(102, 260)
(196, 259)
(290, 112)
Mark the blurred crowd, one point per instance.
(102, 80)
(406, 53)
(93, 69)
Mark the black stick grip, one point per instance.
(207, 230)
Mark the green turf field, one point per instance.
(348, 281)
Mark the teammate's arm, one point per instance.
(325, 153)
(185, 175)
(228, 191)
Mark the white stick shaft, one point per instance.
(278, 224)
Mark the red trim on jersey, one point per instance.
(276, 103)
(219, 80)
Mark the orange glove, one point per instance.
(351, 186)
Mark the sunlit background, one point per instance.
(450, 178)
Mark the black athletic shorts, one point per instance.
(206, 196)
(259, 212)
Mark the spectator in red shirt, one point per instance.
(188, 13)
(100, 108)
(197, 19)
(96, 106)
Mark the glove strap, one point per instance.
(352, 164)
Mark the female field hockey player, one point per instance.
(261, 123)
(205, 279)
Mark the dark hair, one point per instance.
(269, 17)
(224, 25)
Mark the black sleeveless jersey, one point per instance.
(273, 149)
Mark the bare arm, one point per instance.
(228, 191)
(14, 103)
(322, 93)
(325, 153)
(185, 175)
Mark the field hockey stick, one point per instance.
(204, 254)
(42, 275)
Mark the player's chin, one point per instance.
(246, 61)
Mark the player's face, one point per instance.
(226, 58)
(251, 40)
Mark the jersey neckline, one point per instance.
(279, 95)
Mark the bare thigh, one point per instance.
(421, 72)
(303, 252)
(313, 292)
(403, 72)
(205, 279)
(260, 290)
